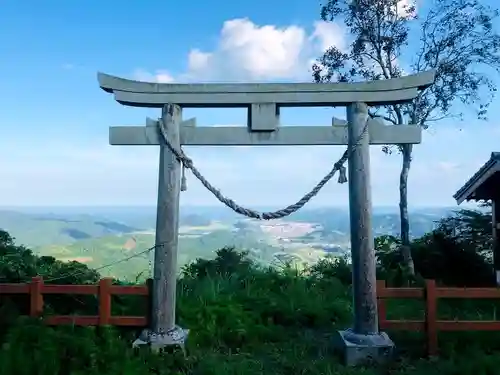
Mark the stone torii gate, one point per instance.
(263, 102)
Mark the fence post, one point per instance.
(381, 306)
(149, 312)
(36, 297)
(105, 301)
(431, 317)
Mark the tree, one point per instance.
(458, 252)
(470, 228)
(457, 39)
(18, 264)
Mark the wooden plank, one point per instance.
(468, 293)
(381, 305)
(57, 320)
(129, 321)
(403, 325)
(125, 290)
(36, 297)
(431, 317)
(104, 301)
(285, 99)
(283, 136)
(417, 293)
(125, 321)
(14, 288)
(149, 306)
(69, 289)
(139, 290)
(463, 325)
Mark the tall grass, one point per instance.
(243, 320)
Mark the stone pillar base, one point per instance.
(358, 349)
(158, 341)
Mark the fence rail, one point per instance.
(36, 289)
(431, 325)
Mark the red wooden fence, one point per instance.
(431, 325)
(36, 289)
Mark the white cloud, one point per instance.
(159, 76)
(249, 52)
(328, 34)
(198, 60)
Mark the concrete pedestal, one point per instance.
(357, 349)
(158, 341)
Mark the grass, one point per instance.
(243, 320)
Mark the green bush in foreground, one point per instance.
(246, 319)
(243, 320)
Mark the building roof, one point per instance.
(477, 187)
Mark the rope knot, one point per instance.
(187, 162)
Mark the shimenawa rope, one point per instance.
(188, 163)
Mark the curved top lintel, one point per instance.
(111, 83)
(380, 92)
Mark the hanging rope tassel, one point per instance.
(342, 175)
(183, 178)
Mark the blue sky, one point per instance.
(54, 119)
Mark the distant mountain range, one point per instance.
(35, 230)
(100, 236)
(45, 226)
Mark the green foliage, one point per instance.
(456, 253)
(440, 257)
(470, 228)
(332, 268)
(245, 318)
(227, 262)
(19, 264)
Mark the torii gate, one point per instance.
(263, 102)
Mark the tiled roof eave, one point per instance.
(465, 192)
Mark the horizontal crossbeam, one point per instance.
(146, 94)
(380, 134)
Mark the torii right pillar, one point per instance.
(364, 342)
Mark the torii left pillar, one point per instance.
(164, 332)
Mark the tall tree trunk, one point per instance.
(403, 209)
